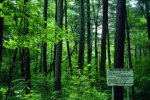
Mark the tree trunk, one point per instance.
(135, 54)
(103, 39)
(67, 42)
(96, 39)
(119, 44)
(82, 32)
(41, 58)
(89, 39)
(36, 61)
(44, 43)
(128, 41)
(11, 71)
(108, 46)
(58, 59)
(55, 37)
(96, 51)
(25, 55)
(140, 51)
(148, 18)
(129, 52)
(1, 41)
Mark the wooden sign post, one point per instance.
(119, 77)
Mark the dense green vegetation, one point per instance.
(62, 49)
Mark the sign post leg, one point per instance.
(112, 93)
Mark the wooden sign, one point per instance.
(120, 77)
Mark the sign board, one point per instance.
(120, 77)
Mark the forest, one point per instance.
(74, 50)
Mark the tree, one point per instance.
(129, 49)
(96, 32)
(67, 42)
(58, 59)
(147, 17)
(11, 71)
(119, 44)
(44, 43)
(82, 32)
(89, 43)
(108, 46)
(103, 38)
(1, 40)
(25, 54)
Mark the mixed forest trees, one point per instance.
(48, 58)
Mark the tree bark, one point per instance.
(1, 41)
(11, 72)
(129, 51)
(58, 59)
(89, 39)
(148, 18)
(67, 42)
(103, 39)
(25, 55)
(44, 43)
(96, 39)
(108, 46)
(119, 44)
(82, 38)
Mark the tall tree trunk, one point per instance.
(55, 37)
(96, 39)
(36, 61)
(41, 58)
(11, 72)
(44, 43)
(96, 50)
(58, 59)
(108, 51)
(129, 52)
(103, 40)
(25, 55)
(89, 43)
(128, 42)
(148, 18)
(82, 32)
(119, 44)
(1, 41)
(67, 42)
(135, 54)
(140, 51)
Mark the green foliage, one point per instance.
(142, 79)
(79, 87)
(3, 91)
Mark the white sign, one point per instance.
(120, 77)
